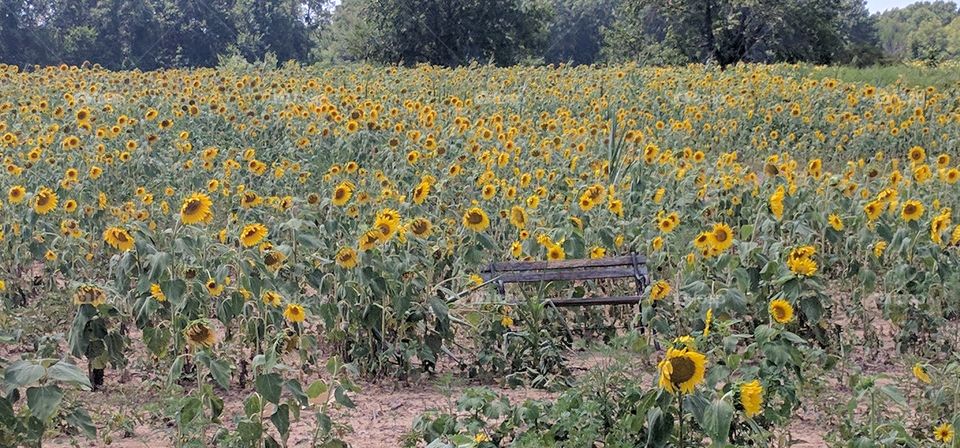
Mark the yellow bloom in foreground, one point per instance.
(90, 295)
(252, 234)
(751, 397)
(294, 313)
(476, 219)
(943, 433)
(272, 298)
(44, 201)
(921, 374)
(555, 252)
(781, 311)
(481, 437)
(776, 202)
(196, 209)
(682, 370)
(598, 252)
(118, 238)
(16, 194)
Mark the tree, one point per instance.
(921, 31)
(576, 29)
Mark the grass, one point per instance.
(943, 76)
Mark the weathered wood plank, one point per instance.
(566, 275)
(592, 301)
(623, 260)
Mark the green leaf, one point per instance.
(316, 389)
(340, 395)
(68, 373)
(281, 419)
(297, 391)
(268, 385)
(189, 411)
(22, 373)
(43, 401)
(716, 421)
(221, 372)
(81, 420)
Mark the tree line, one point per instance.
(150, 34)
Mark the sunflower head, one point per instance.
(346, 258)
(196, 209)
(252, 234)
(781, 311)
(682, 370)
(294, 313)
(199, 334)
(476, 219)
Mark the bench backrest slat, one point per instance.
(625, 260)
(571, 274)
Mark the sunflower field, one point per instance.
(252, 244)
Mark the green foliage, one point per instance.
(925, 31)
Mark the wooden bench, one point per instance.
(626, 266)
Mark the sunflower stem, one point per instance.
(680, 417)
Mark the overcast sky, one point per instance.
(883, 5)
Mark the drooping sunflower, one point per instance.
(16, 194)
(518, 217)
(369, 240)
(118, 238)
(476, 219)
(272, 298)
(196, 209)
(274, 260)
(346, 258)
(252, 234)
(421, 192)
(751, 398)
(781, 311)
(873, 209)
(912, 210)
(776, 202)
(294, 313)
(420, 227)
(682, 370)
(199, 334)
(44, 201)
(89, 295)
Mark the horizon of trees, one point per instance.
(151, 34)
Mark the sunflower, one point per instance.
(252, 234)
(342, 194)
(873, 209)
(659, 290)
(118, 238)
(346, 258)
(420, 227)
(516, 249)
(682, 370)
(781, 310)
(476, 219)
(274, 260)
(776, 202)
(555, 252)
(835, 222)
(196, 209)
(369, 240)
(272, 298)
(214, 288)
(921, 374)
(157, 293)
(912, 210)
(518, 217)
(16, 194)
(951, 176)
(721, 237)
(421, 192)
(707, 320)
(751, 397)
(881, 246)
(598, 252)
(294, 313)
(385, 227)
(938, 225)
(89, 295)
(199, 334)
(44, 201)
(943, 433)
(917, 154)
